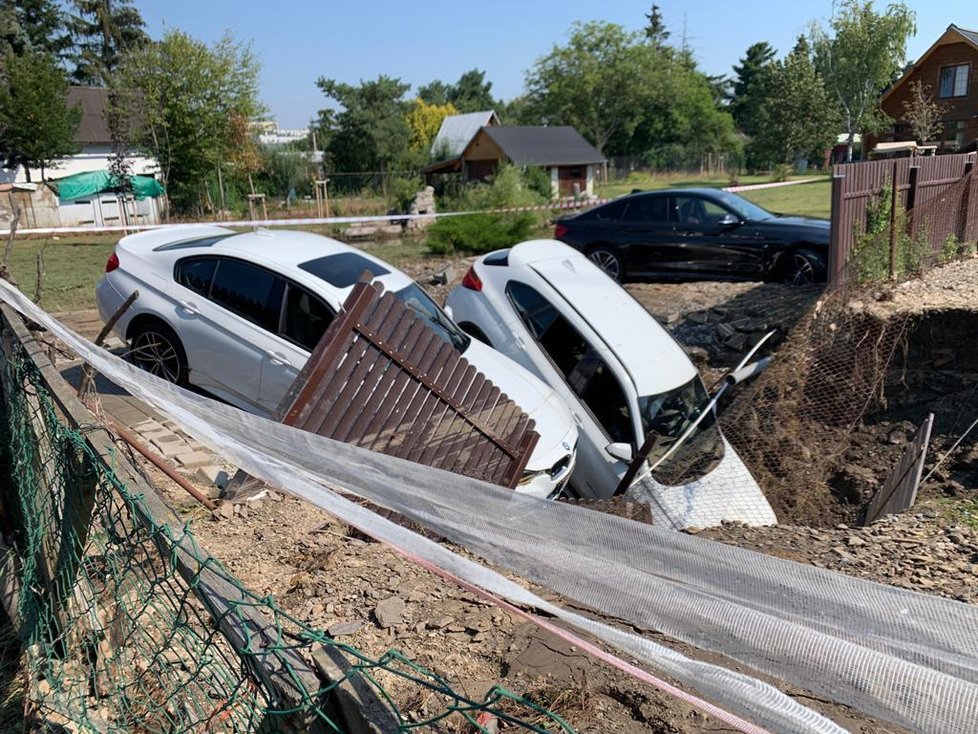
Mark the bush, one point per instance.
(871, 254)
(484, 232)
(401, 191)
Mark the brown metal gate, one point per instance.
(381, 379)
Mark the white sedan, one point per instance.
(238, 314)
(627, 380)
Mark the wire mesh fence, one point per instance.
(128, 625)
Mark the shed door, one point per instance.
(570, 175)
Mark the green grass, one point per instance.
(72, 267)
(651, 182)
(807, 199)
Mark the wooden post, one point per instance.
(912, 201)
(837, 257)
(968, 221)
(894, 200)
(220, 188)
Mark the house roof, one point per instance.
(457, 130)
(953, 34)
(544, 146)
(93, 100)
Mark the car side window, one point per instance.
(612, 212)
(196, 273)
(306, 317)
(696, 210)
(647, 210)
(249, 291)
(584, 370)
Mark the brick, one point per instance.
(193, 459)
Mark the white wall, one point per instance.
(91, 158)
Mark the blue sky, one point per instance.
(301, 40)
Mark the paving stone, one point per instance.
(193, 459)
(211, 474)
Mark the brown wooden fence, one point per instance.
(380, 378)
(939, 193)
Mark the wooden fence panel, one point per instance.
(382, 379)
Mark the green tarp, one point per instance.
(95, 182)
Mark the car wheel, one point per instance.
(803, 267)
(609, 260)
(156, 348)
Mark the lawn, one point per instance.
(807, 199)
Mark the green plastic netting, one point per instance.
(126, 625)
(91, 183)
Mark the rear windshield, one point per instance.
(343, 269)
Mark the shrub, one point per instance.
(483, 232)
(950, 249)
(401, 191)
(782, 172)
(871, 254)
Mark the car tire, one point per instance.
(802, 267)
(156, 348)
(609, 260)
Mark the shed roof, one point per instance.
(544, 146)
(457, 130)
(93, 101)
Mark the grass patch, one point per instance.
(808, 200)
(72, 267)
(652, 182)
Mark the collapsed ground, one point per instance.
(332, 578)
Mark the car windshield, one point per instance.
(667, 416)
(744, 209)
(420, 302)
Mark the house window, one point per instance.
(954, 131)
(954, 81)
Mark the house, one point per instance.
(568, 158)
(949, 69)
(95, 205)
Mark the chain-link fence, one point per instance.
(127, 625)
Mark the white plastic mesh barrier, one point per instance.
(906, 657)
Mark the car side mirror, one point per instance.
(729, 220)
(621, 451)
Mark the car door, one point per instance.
(713, 239)
(648, 239)
(226, 309)
(305, 318)
(575, 368)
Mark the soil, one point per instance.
(326, 574)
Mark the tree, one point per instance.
(922, 113)
(370, 132)
(748, 87)
(33, 25)
(655, 31)
(424, 120)
(796, 118)
(36, 125)
(601, 82)
(103, 30)
(471, 93)
(183, 97)
(864, 54)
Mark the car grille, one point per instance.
(560, 467)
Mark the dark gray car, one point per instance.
(697, 234)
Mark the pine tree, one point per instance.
(656, 31)
(33, 25)
(748, 92)
(103, 30)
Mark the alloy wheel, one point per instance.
(155, 353)
(607, 261)
(801, 271)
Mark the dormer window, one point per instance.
(953, 81)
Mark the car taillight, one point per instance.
(112, 263)
(559, 231)
(471, 280)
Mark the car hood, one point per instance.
(817, 230)
(537, 399)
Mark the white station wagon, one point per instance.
(553, 311)
(238, 314)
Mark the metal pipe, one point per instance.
(130, 438)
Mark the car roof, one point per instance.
(281, 250)
(653, 358)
